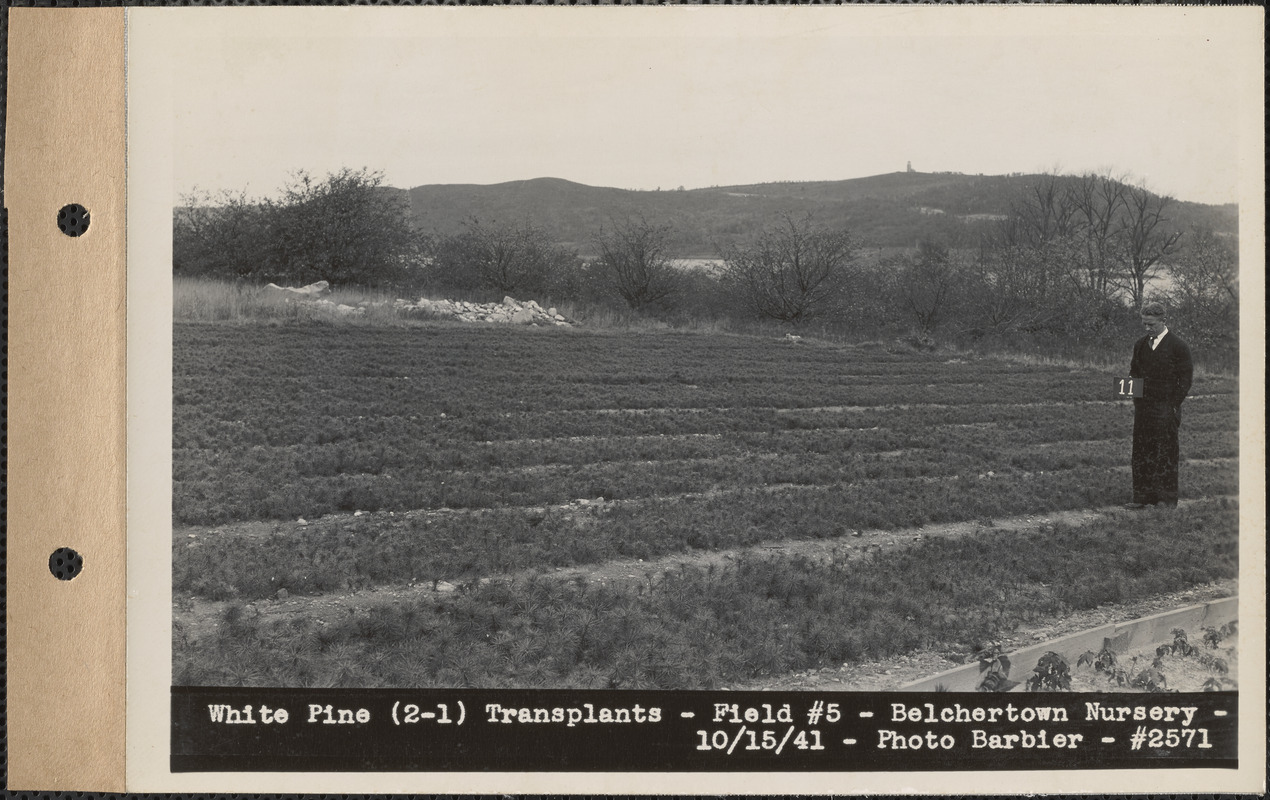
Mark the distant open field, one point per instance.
(455, 469)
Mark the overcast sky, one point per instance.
(667, 97)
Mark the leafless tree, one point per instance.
(1046, 212)
(793, 271)
(927, 282)
(633, 253)
(1100, 199)
(1016, 289)
(1205, 287)
(1144, 239)
(509, 257)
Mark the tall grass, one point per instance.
(208, 300)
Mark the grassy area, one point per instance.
(206, 300)
(706, 628)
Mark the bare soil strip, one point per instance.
(844, 409)
(784, 410)
(939, 406)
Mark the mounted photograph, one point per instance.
(792, 350)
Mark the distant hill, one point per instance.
(892, 210)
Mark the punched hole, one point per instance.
(65, 563)
(72, 219)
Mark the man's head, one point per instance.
(1153, 318)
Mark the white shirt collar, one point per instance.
(1156, 342)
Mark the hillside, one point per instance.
(891, 210)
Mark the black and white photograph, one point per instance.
(774, 350)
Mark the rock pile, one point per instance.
(339, 308)
(509, 311)
(312, 290)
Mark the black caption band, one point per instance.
(378, 730)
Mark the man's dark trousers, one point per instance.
(1157, 416)
(1155, 452)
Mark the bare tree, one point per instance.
(1101, 203)
(792, 271)
(1205, 288)
(1144, 239)
(508, 257)
(1045, 213)
(633, 253)
(1043, 230)
(927, 282)
(1015, 289)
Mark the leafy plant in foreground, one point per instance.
(1151, 679)
(1213, 636)
(1051, 674)
(1212, 662)
(1103, 661)
(994, 665)
(1180, 646)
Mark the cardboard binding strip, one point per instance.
(66, 393)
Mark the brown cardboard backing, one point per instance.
(66, 425)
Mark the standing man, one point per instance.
(1163, 361)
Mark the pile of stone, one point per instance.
(509, 311)
(312, 290)
(314, 296)
(343, 309)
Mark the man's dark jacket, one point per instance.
(1166, 373)
(1167, 369)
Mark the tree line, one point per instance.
(1073, 259)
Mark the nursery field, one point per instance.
(464, 466)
